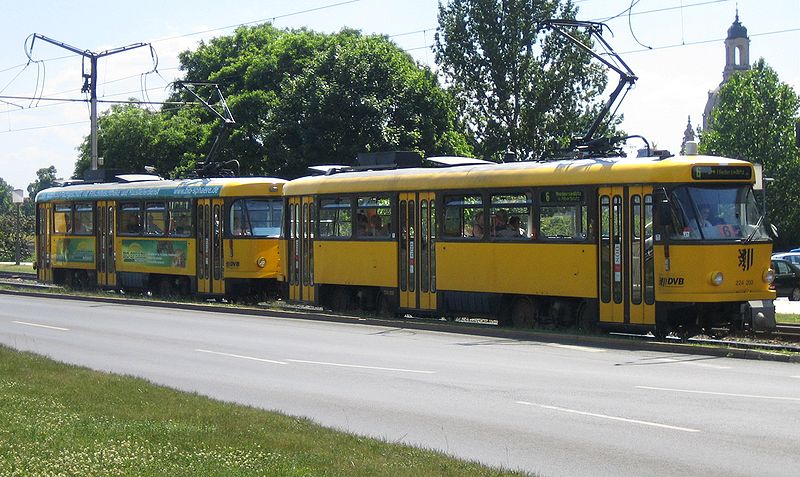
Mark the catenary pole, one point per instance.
(90, 85)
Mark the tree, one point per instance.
(8, 224)
(755, 120)
(45, 178)
(301, 98)
(6, 202)
(131, 137)
(519, 86)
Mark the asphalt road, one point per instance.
(541, 407)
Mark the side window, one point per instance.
(464, 217)
(180, 218)
(783, 269)
(130, 218)
(373, 216)
(62, 223)
(84, 219)
(511, 216)
(238, 225)
(562, 214)
(155, 223)
(335, 217)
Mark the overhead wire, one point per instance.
(143, 76)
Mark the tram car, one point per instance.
(649, 244)
(209, 236)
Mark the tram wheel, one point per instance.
(795, 295)
(587, 317)
(165, 286)
(340, 301)
(69, 279)
(524, 312)
(385, 307)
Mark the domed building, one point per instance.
(737, 58)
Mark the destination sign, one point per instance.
(726, 173)
(561, 197)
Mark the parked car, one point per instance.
(791, 257)
(787, 279)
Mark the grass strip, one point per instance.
(21, 268)
(58, 419)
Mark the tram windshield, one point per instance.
(255, 217)
(716, 213)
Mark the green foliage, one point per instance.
(6, 202)
(302, 98)
(8, 224)
(755, 120)
(131, 137)
(45, 178)
(519, 86)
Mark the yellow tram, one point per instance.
(212, 236)
(638, 244)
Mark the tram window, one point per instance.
(605, 249)
(335, 217)
(463, 216)
(560, 222)
(255, 217)
(510, 216)
(130, 218)
(373, 216)
(180, 218)
(62, 219)
(84, 219)
(563, 215)
(155, 219)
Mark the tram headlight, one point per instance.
(261, 262)
(717, 278)
(769, 276)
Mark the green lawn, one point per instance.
(57, 419)
(787, 318)
(27, 268)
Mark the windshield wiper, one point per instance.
(753, 233)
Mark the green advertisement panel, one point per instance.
(155, 253)
(75, 250)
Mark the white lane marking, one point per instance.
(251, 358)
(577, 348)
(753, 396)
(691, 363)
(322, 363)
(40, 326)
(796, 377)
(613, 418)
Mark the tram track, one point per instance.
(784, 339)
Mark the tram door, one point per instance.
(44, 219)
(210, 257)
(105, 257)
(417, 234)
(301, 249)
(627, 289)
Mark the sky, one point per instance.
(675, 47)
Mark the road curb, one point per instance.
(621, 343)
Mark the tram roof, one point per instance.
(165, 189)
(596, 171)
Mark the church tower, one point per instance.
(737, 58)
(688, 135)
(737, 49)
